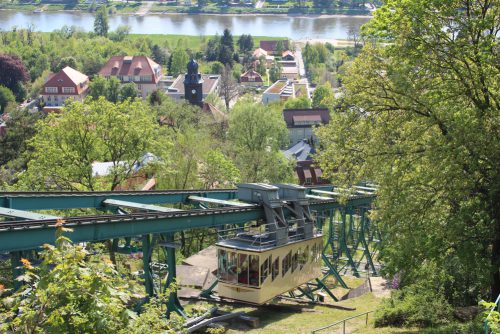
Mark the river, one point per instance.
(186, 24)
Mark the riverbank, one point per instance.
(134, 8)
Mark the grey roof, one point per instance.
(299, 151)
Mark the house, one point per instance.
(251, 78)
(290, 73)
(63, 85)
(258, 53)
(141, 70)
(278, 91)
(301, 122)
(284, 89)
(305, 169)
(176, 90)
(271, 46)
(288, 55)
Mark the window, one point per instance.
(265, 269)
(68, 90)
(227, 266)
(243, 268)
(146, 78)
(253, 270)
(287, 263)
(50, 89)
(295, 261)
(276, 268)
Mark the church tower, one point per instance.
(193, 84)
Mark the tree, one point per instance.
(120, 33)
(218, 171)
(261, 65)
(323, 96)
(216, 67)
(106, 87)
(275, 71)
(280, 47)
(95, 130)
(226, 48)
(66, 61)
(101, 22)
(245, 43)
(302, 102)
(6, 97)
(180, 59)
(213, 48)
(70, 292)
(228, 87)
(159, 54)
(128, 91)
(421, 121)
(13, 75)
(258, 133)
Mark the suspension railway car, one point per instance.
(256, 274)
(256, 267)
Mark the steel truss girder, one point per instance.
(8, 212)
(218, 201)
(134, 205)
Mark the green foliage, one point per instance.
(245, 43)
(216, 67)
(218, 171)
(120, 33)
(257, 133)
(280, 47)
(491, 316)
(323, 96)
(72, 291)
(226, 50)
(421, 121)
(108, 88)
(66, 145)
(414, 306)
(101, 22)
(128, 91)
(6, 97)
(275, 71)
(180, 58)
(302, 102)
(14, 74)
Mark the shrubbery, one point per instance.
(414, 306)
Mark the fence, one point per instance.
(343, 322)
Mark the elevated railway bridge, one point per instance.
(350, 237)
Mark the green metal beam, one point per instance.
(218, 201)
(23, 237)
(25, 214)
(133, 205)
(78, 200)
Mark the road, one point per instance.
(300, 60)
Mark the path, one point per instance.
(379, 287)
(145, 7)
(300, 61)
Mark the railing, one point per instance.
(487, 328)
(343, 322)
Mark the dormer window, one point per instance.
(68, 90)
(52, 90)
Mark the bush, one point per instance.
(414, 306)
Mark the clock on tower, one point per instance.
(193, 84)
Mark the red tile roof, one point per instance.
(132, 66)
(318, 114)
(251, 76)
(270, 46)
(67, 77)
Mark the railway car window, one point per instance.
(306, 255)
(253, 272)
(287, 263)
(242, 268)
(313, 253)
(265, 269)
(222, 256)
(276, 267)
(295, 260)
(232, 267)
